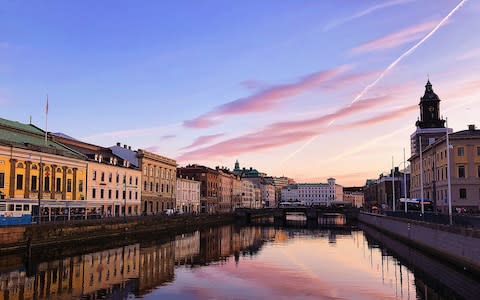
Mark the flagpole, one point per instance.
(46, 122)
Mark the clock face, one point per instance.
(431, 108)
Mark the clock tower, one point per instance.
(430, 109)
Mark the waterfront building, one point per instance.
(378, 193)
(258, 197)
(248, 194)
(247, 173)
(187, 248)
(158, 178)
(225, 190)
(209, 179)
(464, 171)
(268, 195)
(156, 266)
(188, 195)
(313, 193)
(355, 198)
(279, 183)
(32, 167)
(237, 192)
(113, 182)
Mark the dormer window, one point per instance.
(96, 157)
(115, 161)
(100, 158)
(111, 160)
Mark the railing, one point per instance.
(437, 218)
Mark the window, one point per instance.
(58, 185)
(124, 179)
(167, 188)
(145, 170)
(118, 178)
(94, 193)
(19, 181)
(460, 151)
(156, 187)
(136, 180)
(2, 180)
(69, 185)
(110, 177)
(94, 176)
(478, 171)
(478, 151)
(130, 195)
(136, 195)
(116, 194)
(33, 185)
(461, 171)
(151, 186)
(109, 194)
(463, 193)
(130, 181)
(80, 186)
(124, 195)
(102, 192)
(102, 177)
(145, 186)
(26, 207)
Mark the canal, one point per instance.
(233, 262)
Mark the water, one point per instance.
(230, 262)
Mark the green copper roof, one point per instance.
(27, 136)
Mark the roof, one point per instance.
(30, 137)
(126, 154)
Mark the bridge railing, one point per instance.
(437, 218)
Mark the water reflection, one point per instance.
(242, 263)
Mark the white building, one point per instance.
(268, 195)
(313, 193)
(188, 195)
(248, 194)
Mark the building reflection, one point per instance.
(88, 276)
(132, 270)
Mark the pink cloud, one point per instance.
(202, 140)
(395, 39)
(265, 100)
(289, 133)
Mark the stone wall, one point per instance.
(458, 245)
(18, 238)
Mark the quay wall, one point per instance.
(457, 245)
(18, 238)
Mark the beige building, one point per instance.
(188, 195)
(112, 182)
(225, 187)
(248, 194)
(356, 198)
(464, 171)
(158, 178)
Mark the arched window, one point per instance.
(34, 167)
(20, 165)
(145, 185)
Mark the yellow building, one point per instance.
(32, 167)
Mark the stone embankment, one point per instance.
(19, 238)
(457, 245)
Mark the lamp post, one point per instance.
(393, 186)
(421, 174)
(449, 196)
(405, 179)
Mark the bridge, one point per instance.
(312, 214)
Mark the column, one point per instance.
(74, 188)
(53, 184)
(40, 179)
(64, 182)
(11, 191)
(27, 179)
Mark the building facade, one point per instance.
(248, 194)
(32, 167)
(188, 195)
(209, 179)
(158, 178)
(313, 194)
(464, 172)
(379, 195)
(112, 182)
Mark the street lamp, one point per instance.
(449, 196)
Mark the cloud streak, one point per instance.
(395, 39)
(265, 100)
(278, 136)
(202, 140)
(364, 13)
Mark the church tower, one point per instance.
(430, 126)
(430, 109)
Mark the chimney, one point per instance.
(119, 145)
(129, 147)
(471, 127)
(125, 146)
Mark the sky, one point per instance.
(305, 89)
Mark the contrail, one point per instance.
(387, 70)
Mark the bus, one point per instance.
(415, 204)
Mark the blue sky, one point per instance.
(135, 72)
